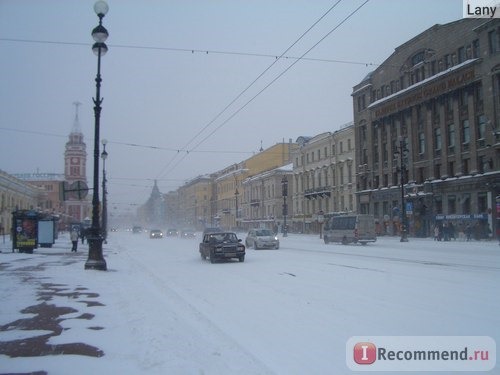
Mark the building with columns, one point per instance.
(324, 179)
(436, 99)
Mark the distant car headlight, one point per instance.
(276, 238)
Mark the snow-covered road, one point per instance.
(286, 311)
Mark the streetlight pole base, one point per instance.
(96, 260)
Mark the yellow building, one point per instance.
(228, 182)
(195, 203)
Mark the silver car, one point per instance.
(262, 239)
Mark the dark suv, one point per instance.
(221, 245)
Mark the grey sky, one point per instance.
(161, 97)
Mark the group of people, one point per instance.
(447, 231)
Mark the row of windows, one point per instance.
(425, 66)
(317, 155)
(321, 178)
(312, 206)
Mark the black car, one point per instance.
(155, 233)
(222, 245)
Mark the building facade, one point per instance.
(263, 200)
(195, 203)
(436, 101)
(324, 179)
(16, 194)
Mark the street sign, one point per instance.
(79, 189)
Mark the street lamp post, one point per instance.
(96, 260)
(104, 156)
(401, 152)
(284, 186)
(236, 193)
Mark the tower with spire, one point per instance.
(75, 167)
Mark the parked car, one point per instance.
(262, 239)
(350, 229)
(222, 245)
(136, 229)
(172, 232)
(155, 233)
(188, 233)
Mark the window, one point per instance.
(437, 139)
(466, 204)
(493, 41)
(326, 152)
(461, 55)
(437, 170)
(465, 166)
(465, 132)
(452, 204)
(482, 202)
(451, 168)
(481, 127)
(438, 204)
(475, 48)
(421, 142)
(451, 135)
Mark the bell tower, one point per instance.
(75, 169)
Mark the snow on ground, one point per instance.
(163, 310)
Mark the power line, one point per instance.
(243, 92)
(273, 81)
(192, 51)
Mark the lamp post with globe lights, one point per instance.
(104, 228)
(401, 152)
(95, 259)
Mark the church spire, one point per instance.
(76, 123)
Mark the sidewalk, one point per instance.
(36, 307)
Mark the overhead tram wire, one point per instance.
(46, 134)
(191, 50)
(244, 91)
(271, 83)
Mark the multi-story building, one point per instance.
(324, 179)
(263, 201)
(16, 194)
(172, 210)
(436, 99)
(195, 203)
(228, 182)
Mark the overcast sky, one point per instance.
(174, 65)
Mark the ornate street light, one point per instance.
(284, 186)
(401, 152)
(96, 260)
(236, 193)
(104, 228)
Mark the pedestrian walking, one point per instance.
(436, 233)
(74, 240)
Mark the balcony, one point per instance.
(320, 192)
(254, 202)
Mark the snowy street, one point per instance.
(164, 310)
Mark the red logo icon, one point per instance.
(365, 353)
